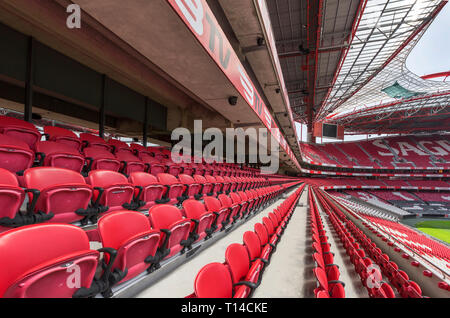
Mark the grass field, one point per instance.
(437, 228)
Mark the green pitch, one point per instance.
(438, 229)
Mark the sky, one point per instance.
(430, 55)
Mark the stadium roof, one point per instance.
(360, 73)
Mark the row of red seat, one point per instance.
(244, 263)
(368, 260)
(62, 195)
(132, 244)
(326, 272)
(21, 148)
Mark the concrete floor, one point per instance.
(180, 282)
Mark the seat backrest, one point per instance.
(20, 129)
(213, 281)
(200, 179)
(51, 147)
(118, 227)
(225, 200)
(106, 178)
(98, 153)
(261, 231)
(8, 178)
(142, 179)
(54, 131)
(167, 179)
(43, 177)
(210, 179)
(235, 197)
(193, 209)
(28, 250)
(236, 256)
(119, 145)
(185, 179)
(6, 140)
(94, 141)
(212, 204)
(164, 215)
(251, 241)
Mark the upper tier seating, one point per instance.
(401, 152)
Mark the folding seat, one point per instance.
(154, 166)
(237, 182)
(112, 191)
(20, 129)
(157, 153)
(149, 190)
(243, 204)
(207, 187)
(214, 281)
(11, 197)
(186, 168)
(254, 247)
(172, 167)
(199, 169)
(334, 288)
(100, 159)
(57, 194)
(136, 243)
(222, 213)
(273, 232)
(129, 163)
(222, 184)
(202, 220)
(175, 229)
(267, 247)
(119, 146)
(38, 261)
(192, 189)
(217, 186)
(15, 155)
(175, 189)
(141, 151)
(208, 170)
(54, 154)
(242, 272)
(90, 140)
(63, 136)
(234, 208)
(247, 197)
(226, 185)
(332, 270)
(384, 291)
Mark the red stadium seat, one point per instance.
(15, 155)
(100, 159)
(136, 243)
(90, 140)
(63, 136)
(55, 154)
(175, 228)
(129, 162)
(192, 189)
(11, 197)
(20, 129)
(234, 208)
(59, 195)
(152, 191)
(112, 191)
(222, 213)
(214, 281)
(202, 220)
(119, 146)
(38, 261)
(175, 189)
